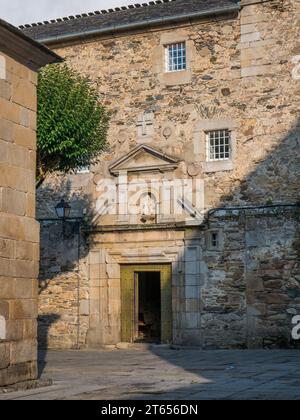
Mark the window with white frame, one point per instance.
(176, 57)
(218, 145)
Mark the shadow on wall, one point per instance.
(62, 241)
(63, 308)
(275, 179)
(251, 289)
(45, 322)
(72, 188)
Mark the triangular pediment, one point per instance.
(144, 158)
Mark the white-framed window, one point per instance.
(176, 57)
(218, 145)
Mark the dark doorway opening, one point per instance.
(149, 307)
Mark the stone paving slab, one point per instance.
(165, 374)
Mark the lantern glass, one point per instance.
(63, 210)
(67, 211)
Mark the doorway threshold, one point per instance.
(143, 346)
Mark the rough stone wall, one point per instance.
(272, 278)
(63, 286)
(64, 305)
(19, 231)
(223, 288)
(251, 290)
(270, 89)
(243, 70)
(75, 189)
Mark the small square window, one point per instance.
(176, 57)
(214, 240)
(218, 145)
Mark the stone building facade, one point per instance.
(204, 98)
(20, 59)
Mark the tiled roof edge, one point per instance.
(95, 13)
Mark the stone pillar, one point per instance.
(19, 231)
(98, 298)
(105, 300)
(191, 316)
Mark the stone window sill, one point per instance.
(176, 77)
(218, 166)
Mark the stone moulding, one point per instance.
(269, 210)
(158, 161)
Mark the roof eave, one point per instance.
(27, 51)
(69, 37)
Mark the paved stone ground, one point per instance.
(164, 374)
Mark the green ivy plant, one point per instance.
(72, 123)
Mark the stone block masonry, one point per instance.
(19, 231)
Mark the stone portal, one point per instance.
(146, 303)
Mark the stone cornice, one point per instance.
(164, 162)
